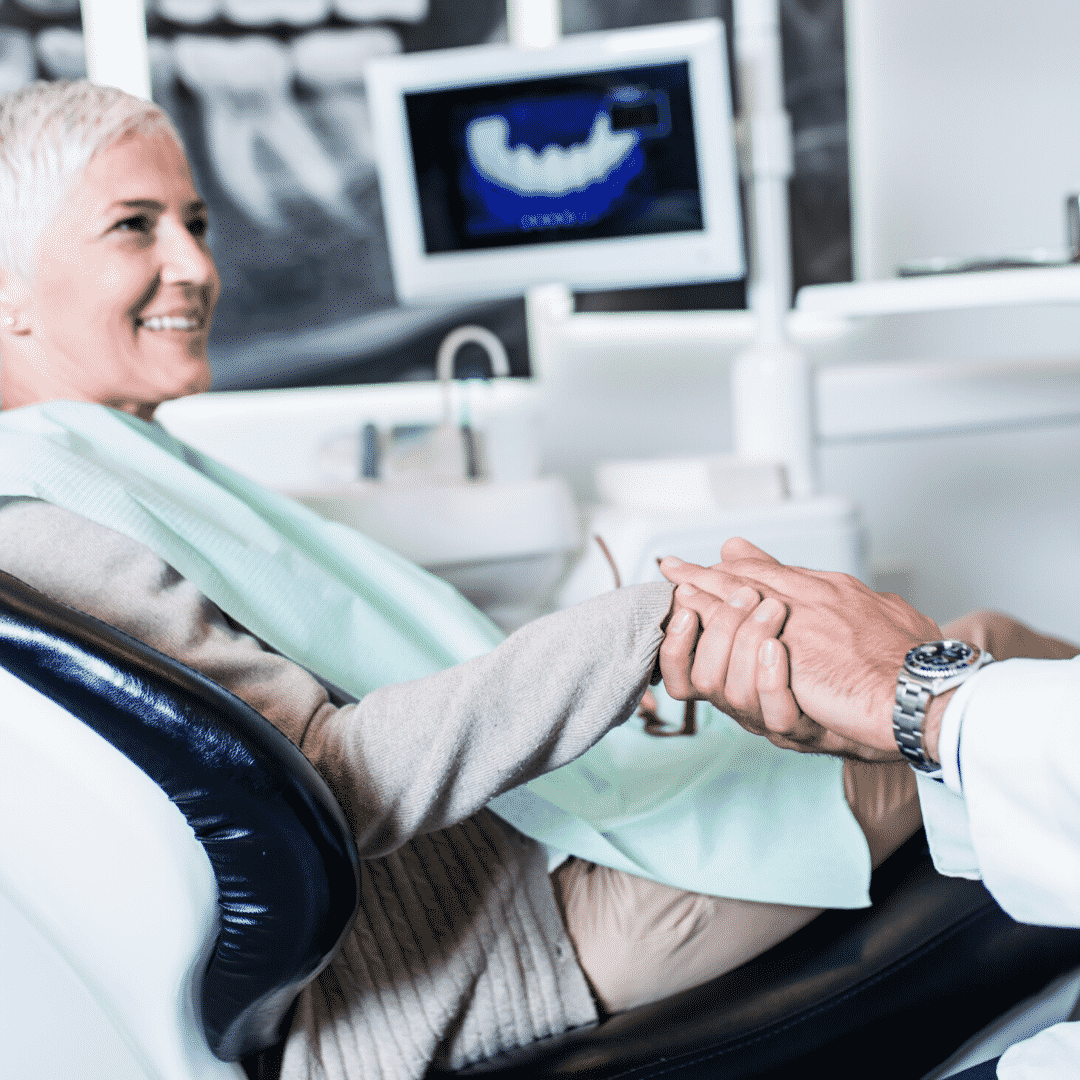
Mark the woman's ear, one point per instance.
(14, 304)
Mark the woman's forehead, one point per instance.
(140, 167)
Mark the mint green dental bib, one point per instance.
(723, 812)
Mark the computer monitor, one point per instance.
(606, 161)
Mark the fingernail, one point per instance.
(767, 609)
(769, 652)
(681, 622)
(688, 590)
(671, 561)
(743, 598)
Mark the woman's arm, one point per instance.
(1005, 637)
(417, 756)
(410, 758)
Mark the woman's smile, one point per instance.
(158, 323)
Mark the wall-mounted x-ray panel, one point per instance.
(270, 97)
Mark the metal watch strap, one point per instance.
(909, 712)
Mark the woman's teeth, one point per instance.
(169, 322)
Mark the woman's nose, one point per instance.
(185, 258)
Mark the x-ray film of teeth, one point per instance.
(332, 62)
(610, 154)
(245, 85)
(17, 63)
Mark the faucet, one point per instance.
(456, 449)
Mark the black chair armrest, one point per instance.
(281, 850)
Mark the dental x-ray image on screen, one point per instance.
(606, 160)
(586, 156)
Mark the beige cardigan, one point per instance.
(459, 951)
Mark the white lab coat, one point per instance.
(1009, 813)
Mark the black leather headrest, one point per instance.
(281, 849)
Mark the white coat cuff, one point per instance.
(944, 813)
(947, 831)
(949, 737)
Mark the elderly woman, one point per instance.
(465, 946)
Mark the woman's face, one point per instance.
(124, 286)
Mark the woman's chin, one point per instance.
(146, 398)
(190, 378)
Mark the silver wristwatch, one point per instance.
(929, 670)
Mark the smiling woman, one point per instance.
(110, 298)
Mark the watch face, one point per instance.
(940, 659)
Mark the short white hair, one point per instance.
(49, 134)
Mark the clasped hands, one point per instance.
(805, 658)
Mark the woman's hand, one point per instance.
(1003, 637)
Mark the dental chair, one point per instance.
(173, 871)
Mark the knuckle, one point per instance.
(779, 724)
(709, 685)
(841, 583)
(739, 700)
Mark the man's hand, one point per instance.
(743, 671)
(846, 644)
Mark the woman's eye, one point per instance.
(198, 227)
(140, 223)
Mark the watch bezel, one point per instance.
(947, 671)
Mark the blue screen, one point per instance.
(599, 155)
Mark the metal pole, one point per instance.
(533, 24)
(771, 381)
(114, 37)
(537, 24)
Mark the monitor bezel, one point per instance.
(715, 253)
